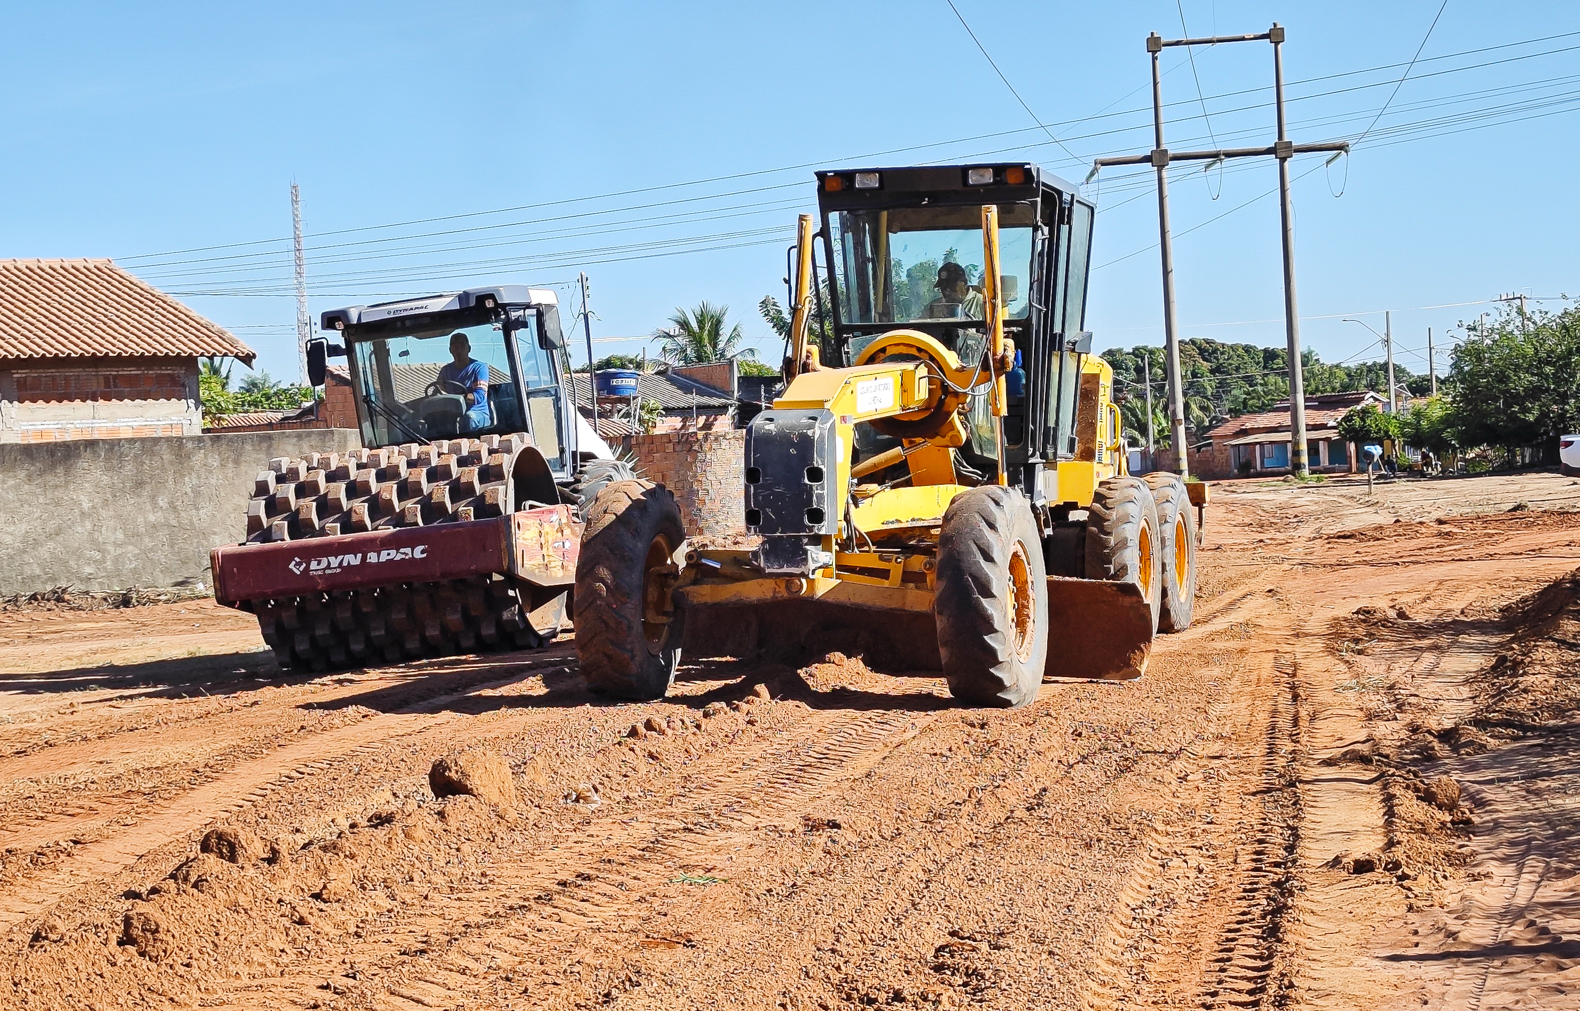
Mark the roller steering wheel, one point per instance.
(439, 386)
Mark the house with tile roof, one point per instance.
(686, 395)
(1257, 445)
(88, 351)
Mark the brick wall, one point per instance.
(719, 375)
(1210, 463)
(707, 473)
(338, 409)
(69, 399)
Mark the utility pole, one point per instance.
(1388, 341)
(1431, 360)
(1171, 337)
(304, 323)
(1283, 150)
(592, 375)
(1146, 366)
(1512, 297)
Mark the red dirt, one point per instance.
(1299, 805)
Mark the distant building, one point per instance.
(1258, 444)
(690, 398)
(88, 351)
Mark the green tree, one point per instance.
(255, 393)
(1431, 425)
(1368, 423)
(210, 367)
(260, 383)
(617, 361)
(820, 330)
(698, 336)
(1515, 384)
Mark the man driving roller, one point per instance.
(956, 298)
(469, 377)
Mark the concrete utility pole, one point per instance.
(1388, 341)
(592, 376)
(1431, 360)
(1283, 150)
(1171, 337)
(304, 323)
(1512, 297)
(1146, 367)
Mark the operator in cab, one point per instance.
(956, 298)
(469, 376)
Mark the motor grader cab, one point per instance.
(456, 528)
(942, 483)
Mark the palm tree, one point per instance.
(260, 382)
(698, 337)
(209, 366)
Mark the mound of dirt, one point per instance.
(1477, 526)
(1533, 681)
(481, 774)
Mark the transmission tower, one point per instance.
(304, 325)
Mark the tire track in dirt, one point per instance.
(247, 784)
(1201, 916)
(595, 876)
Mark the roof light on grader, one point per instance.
(1015, 175)
(867, 180)
(833, 184)
(979, 177)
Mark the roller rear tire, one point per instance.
(628, 646)
(990, 598)
(1123, 539)
(1177, 523)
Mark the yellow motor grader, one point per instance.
(942, 485)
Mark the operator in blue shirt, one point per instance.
(469, 376)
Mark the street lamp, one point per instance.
(1387, 339)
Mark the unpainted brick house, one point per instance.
(88, 351)
(1258, 444)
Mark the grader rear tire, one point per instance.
(991, 598)
(1178, 526)
(1123, 539)
(628, 647)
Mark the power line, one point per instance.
(907, 149)
(1008, 85)
(1402, 77)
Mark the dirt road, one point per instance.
(1351, 784)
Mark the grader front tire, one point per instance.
(627, 632)
(991, 598)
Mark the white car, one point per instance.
(1569, 455)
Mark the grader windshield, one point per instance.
(914, 264)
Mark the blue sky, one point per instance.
(622, 135)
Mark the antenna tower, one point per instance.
(304, 325)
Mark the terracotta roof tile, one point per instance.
(92, 308)
(1322, 411)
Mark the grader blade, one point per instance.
(804, 631)
(1100, 630)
